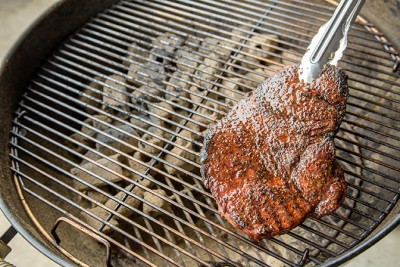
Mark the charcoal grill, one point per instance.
(96, 82)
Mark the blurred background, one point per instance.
(16, 16)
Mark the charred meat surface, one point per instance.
(270, 162)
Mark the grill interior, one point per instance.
(109, 131)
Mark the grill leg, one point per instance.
(8, 235)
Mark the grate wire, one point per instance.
(96, 102)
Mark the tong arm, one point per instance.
(328, 44)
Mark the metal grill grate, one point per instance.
(108, 133)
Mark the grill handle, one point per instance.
(85, 230)
(3, 263)
(4, 249)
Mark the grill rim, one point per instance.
(55, 256)
(366, 243)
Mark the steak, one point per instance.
(270, 162)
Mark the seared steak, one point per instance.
(270, 162)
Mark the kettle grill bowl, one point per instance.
(21, 64)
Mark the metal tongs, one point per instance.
(329, 43)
